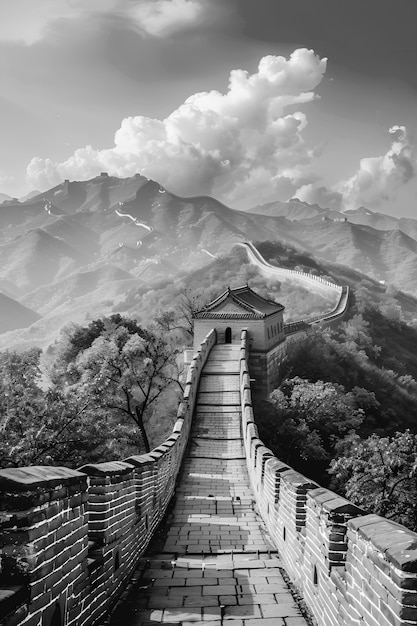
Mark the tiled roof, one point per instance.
(251, 305)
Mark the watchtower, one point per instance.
(242, 308)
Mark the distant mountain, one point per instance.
(380, 221)
(293, 210)
(79, 247)
(37, 258)
(3, 197)
(296, 210)
(14, 315)
(100, 283)
(101, 193)
(30, 195)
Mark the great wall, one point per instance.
(241, 524)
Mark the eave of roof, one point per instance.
(229, 315)
(256, 306)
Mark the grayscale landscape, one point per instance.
(208, 313)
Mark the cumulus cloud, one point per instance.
(379, 178)
(244, 146)
(313, 193)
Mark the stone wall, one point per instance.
(282, 273)
(69, 540)
(351, 568)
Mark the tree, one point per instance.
(379, 474)
(306, 420)
(106, 382)
(181, 317)
(126, 370)
(49, 426)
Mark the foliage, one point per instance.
(125, 370)
(233, 270)
(54, 426)
(371, 359)
(181, 318)
(363, 352)
(106, 387)
(305, 420)
(380, 474)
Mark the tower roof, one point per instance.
(239, 303)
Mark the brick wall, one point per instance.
(69, 540)
(282, 273)
(351, 568)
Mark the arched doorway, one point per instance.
(228, 335)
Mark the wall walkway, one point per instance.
(217, 561)
(70, 540)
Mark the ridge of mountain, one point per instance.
(55, 244)
(30, 195)
(293, 209)
(297, 210)
(36, 258)
(15, 315)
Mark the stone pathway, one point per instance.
(216, 563)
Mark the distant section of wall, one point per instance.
(309, 280)
(69, 540)
(284, 273)
(352, 568)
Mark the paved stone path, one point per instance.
(217, 564)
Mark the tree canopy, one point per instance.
(379, 474)
(48, 425)
(110, 382)
(305, 420)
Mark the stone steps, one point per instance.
(217, 564)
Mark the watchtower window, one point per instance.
(228, 335)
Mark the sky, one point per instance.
(248, 101)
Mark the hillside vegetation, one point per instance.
(80, 249)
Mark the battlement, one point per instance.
(351, 567)
(69, 540)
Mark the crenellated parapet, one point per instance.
(70, 540)
(351, 568)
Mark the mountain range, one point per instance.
(76, 250)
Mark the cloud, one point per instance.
(28, 22)
(160, 18)
(243, 146)
(7, 183)
(378, 179)
(314, 193)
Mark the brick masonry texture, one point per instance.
(71, 540)
(351, 568)
(214, 560)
